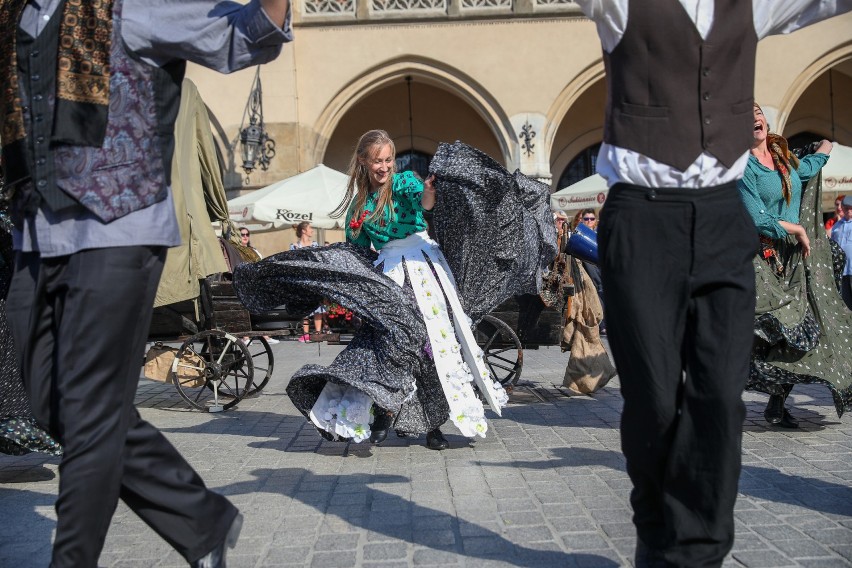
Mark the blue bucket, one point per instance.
(583, 244)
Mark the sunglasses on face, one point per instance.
(588, 218)
(244, 234)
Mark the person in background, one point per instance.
(245, 240)
(771, 189)
(841, 233)
(838, 214)
(589, 218)
(305, 234)
(676, 246)
(87, 148)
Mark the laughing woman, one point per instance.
(413, 363)
(801, 331)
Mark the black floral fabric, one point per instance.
(803, 330)
(495, 229)
(19, 432)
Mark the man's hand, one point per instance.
(276, 10)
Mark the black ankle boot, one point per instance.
(436, 441)
(788, 421)
(774, 412)
(380, 426)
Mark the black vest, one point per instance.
(672, 96)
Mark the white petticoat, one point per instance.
(460, 362)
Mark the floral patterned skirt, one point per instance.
(417, 262)
(803, 331)
(19, 432)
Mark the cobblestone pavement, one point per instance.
(547, 487)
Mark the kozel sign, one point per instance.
(289, 216)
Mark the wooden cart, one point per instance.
(203, 338)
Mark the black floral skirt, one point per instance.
(803, 330)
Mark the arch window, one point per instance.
(414, 160)
(802, 139)
(581, 167)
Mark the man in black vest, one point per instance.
(89, 94)
(676, 247)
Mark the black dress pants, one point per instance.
(80, 323)
(679, 294)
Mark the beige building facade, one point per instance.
(522, 80)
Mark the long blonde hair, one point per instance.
(359, 179)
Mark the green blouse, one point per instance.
(405, 219)
(760, 189)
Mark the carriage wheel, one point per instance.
(263, 362)
(212, 371)
(503, 351)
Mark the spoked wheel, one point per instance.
(213, 371)
(263, 361)
(503, 351)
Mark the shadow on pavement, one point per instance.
(27, 534)
(760, 482)
(401, 519)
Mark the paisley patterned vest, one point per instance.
(131, 169)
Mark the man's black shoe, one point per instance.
(774, 412)
(436, 441)
(216, 557)
(381, 425)
(788, 421)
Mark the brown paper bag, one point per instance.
(158, 366)
(589, 367)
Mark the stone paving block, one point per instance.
(778, 532)
(516, 504)
(844, 550)
(584, 541)
(528, 534)
(573, 524)
(432, 523)
(763, 559)
(618, 530)
(839, 536)
(802, 548)
(334, 559)
(430, 556)
(332, 542)
(555, 510)
(283, 555)
(385, 551)
(754, 517)
(442, 538)
(516, 518)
